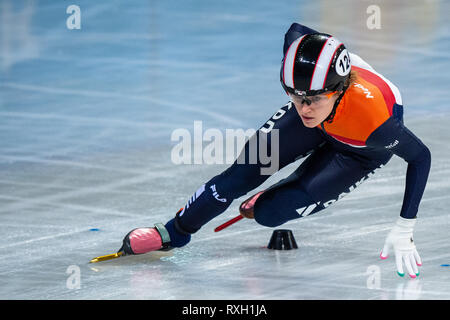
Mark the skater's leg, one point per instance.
(322, 179)
(294, 141)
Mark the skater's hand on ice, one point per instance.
(401, 240)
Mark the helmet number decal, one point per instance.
(343, 63)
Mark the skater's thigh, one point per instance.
(322, 179)
(328, 175)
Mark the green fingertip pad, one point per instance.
(400, 274)
(417, 274)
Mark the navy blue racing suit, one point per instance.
(334, 164)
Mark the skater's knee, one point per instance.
(279, 206)
(268, 216)
(268, 220)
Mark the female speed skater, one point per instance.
(345, 119)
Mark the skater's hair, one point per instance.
(352, 78)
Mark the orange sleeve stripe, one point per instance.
(387, 93)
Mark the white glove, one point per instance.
(401, 239)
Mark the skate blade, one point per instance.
(107, 257)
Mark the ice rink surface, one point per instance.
(86, 118)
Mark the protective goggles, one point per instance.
(313, 99)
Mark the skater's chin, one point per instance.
(309, 122)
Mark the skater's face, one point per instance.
(317, 111)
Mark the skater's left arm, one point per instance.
(398, 139)
(395, 137)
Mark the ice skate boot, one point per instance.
(143, 240)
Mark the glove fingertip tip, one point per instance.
(383, 257)
(400, 274)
